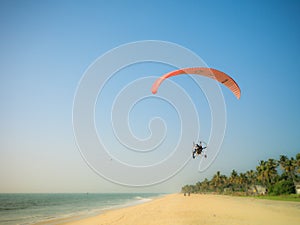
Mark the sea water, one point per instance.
(32, 208)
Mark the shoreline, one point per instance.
(66, 219)
(197, 209)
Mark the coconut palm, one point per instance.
(251, 175)
(298, 163)
(262, 172)
(216, 181)
(282, 162)
(272, 174)
(205, 185)
(288, 166)
(233, 179)
(243, 181)
(224, 180)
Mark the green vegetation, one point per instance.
(283, 187)
(264, 181)
(291, 197)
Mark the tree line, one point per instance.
(277, 177)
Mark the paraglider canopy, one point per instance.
(207, 72)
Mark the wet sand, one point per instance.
(199, 209)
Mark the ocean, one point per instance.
(17, 209)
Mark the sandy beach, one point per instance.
(199, 209)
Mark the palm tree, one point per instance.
(216, 180)
(205, 185)
(261, 172)
(272, 174)
(298, 163)
(243, 181)
(282, 162)
(224, 181)
(288, 166)
(233, 179)
(267, 172)
(198, 187)
(252, 178)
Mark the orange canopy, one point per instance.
(207, 72)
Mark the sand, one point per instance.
(199, 209)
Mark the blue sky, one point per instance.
(46, 46)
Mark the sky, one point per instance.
(46, 47)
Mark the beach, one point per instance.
(200, 209)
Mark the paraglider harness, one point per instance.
(198, 149)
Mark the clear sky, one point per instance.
(46, 46)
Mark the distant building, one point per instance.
(258, 190)
(227, 190)
(297, 188)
